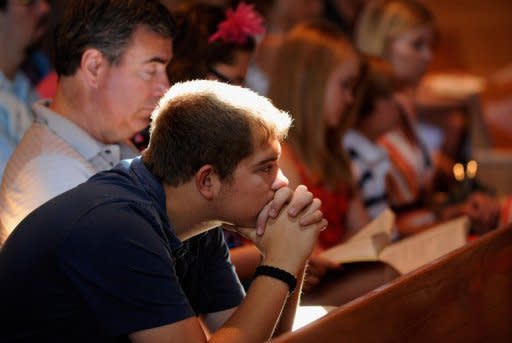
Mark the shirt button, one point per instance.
(107, 151)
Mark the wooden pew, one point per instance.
(463, 297)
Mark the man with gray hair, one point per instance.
(111, 57)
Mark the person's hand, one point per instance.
(317, 267)
(483, 210)
(286, 244)
(298, 200)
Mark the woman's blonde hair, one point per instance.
(384, 20)
(304, 62)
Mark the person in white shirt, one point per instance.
(376, 113)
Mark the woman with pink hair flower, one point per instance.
(214, 43)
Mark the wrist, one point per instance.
(279, 274)
(281, 263)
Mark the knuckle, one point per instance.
(301, 188)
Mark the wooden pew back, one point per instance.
(463, 297)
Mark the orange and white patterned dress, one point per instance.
(411, 169)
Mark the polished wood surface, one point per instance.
(354, 280)
(463, 297)
(474, 35)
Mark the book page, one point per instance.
(384, 222)
(424, 247)
(364, 249)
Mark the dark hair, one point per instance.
(377, 81)
(3, 5)
(106, 25)
(203, 122)
(192, 54)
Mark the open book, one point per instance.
(373, 243)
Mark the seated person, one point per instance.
(318, 97)
(134, 253)
(376, 113)
(108, 85)
(22, 23)
(403, 33)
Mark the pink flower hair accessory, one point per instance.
(239, 25)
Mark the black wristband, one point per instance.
(279, 274)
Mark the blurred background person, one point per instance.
(344, 13)
(22, 24)
(375, 112)
(280, 17)
(403, 32)
(313, 77)
(214, 42)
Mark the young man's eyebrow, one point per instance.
(267, 160)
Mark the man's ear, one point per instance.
(207, 181)
(91, 65)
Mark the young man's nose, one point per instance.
(280, 181)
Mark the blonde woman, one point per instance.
(403, 32)
(313, 79)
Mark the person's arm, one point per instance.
(357, 216)
(253, 321)
(245, 258)
(287, 318)
(285, 245)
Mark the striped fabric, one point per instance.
(54, 156)
(411, 168)
(370, 164)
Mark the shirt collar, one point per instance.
(155, 190)
(151, 184)
(74, 135)
(20, 86)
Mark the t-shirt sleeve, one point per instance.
(124, 270)
(219, 287)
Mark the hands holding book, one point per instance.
(318, 266)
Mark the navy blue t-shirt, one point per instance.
(101, 261)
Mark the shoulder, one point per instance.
(27, 184)
(29, 181)
(46, 169)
